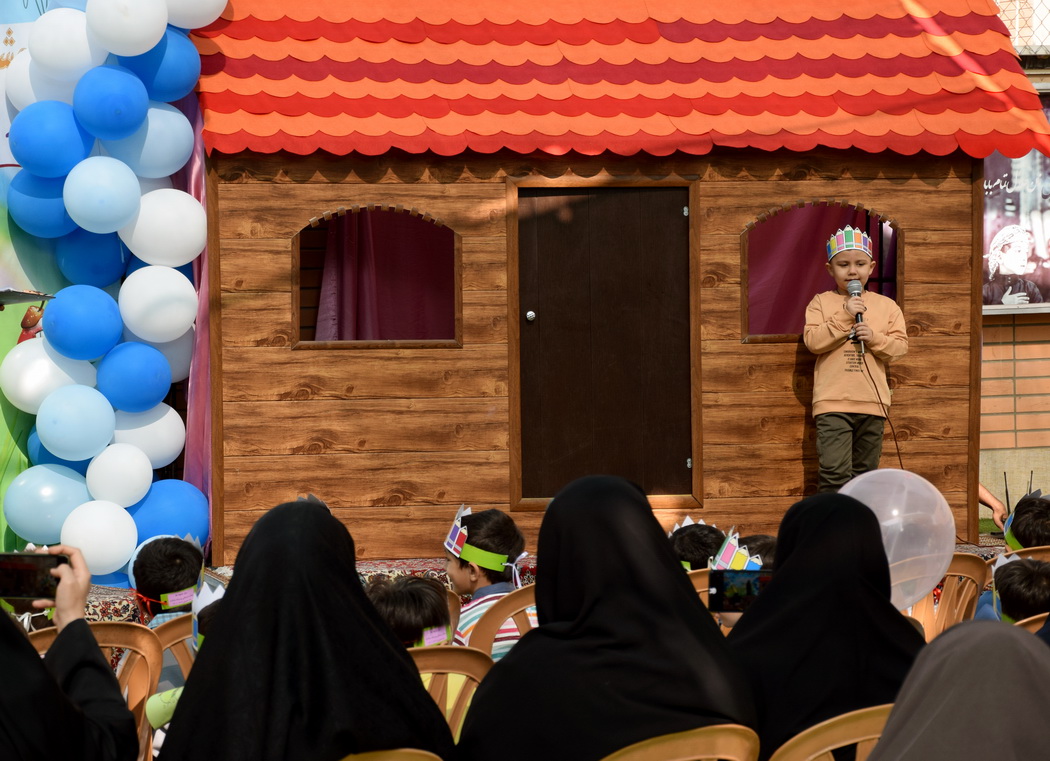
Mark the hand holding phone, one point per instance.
(27, 575)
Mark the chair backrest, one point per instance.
(721, 742)
(963, 582)
(1032, 623)
(451, 673)
(455, 606)
(397, 754)
(701, 581)
(1041, 552)
(138, 669)
(513, 606)
(862, 728)
(176, 635)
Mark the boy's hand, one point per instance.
(1014, 298)
(74, 583)
(862, 332)
(855, 305)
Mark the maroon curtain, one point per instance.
(387, 276)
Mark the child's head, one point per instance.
(500, 542)
(412, 605)
(763, 545)
(1009, 250)
(849, 257)
(1023, 586)
(1030, 522)
(167, 566)
(696, 543)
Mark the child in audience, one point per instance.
(164, 576)
(763, 545)
(482, 551)
(1029, 525)
(414, 607)
(696, 543)
(1023, 589)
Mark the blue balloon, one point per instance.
(137, 264)
(36, 205)
(38, 455)
(110, 102)
(82, 322)
(134, 377)
(75, 422)
(39, 500)
(47, 139)
(172, 507)
(170, 69)
(116, 579)
(87, 258)
(102, 194)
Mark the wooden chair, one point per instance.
(176, 635)
(1036, 553)
(398, 754)
(514, 606)
(1032, 623)
(137, 673)
(963, 583)
(862, 728)
(451, 674)
(701, 583)
(726, 742)
(455, 605)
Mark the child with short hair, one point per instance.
(1023, 587)
(763, 545)
(696, 543)
(414, 607)
(854, 336)
(165, 573)
(482, 551)
(1029, 524)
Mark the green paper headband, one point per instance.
(483, 558)
(169, 600)
(1011, 540)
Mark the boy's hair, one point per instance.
(1023, 587)
(697, 543)
(494, 531)
(763, 545)
(166, 565)
(1031, 522)
(410, 604)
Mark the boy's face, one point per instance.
(850, 265)
(460, 576)
(1014, 259)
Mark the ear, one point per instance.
(827, 266)
(475, 571)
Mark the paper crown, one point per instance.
(204, 595)
(456, 544)
(733, 556)
(688, 522)
(849, 239)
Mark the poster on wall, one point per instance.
(1016, 262)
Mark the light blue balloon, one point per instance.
(102, 194)
(47, 140)
(38, 455)
(172, 507)
(82, 322)
(40, 498)
(75, 422)
(36, 205)
(161, 146)
(87, 258)
(170, 69)
(110, 102)
(134, 377)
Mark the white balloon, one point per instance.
(33, 369)
(157, 303)
(105, 533)
(194, 14)
(158, 432)
(27, 83)
(127, 27)
(101, 194)
(160, 147)
(179, 352)
(120, 473)
(62, 45)
(170, 229)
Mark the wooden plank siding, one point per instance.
(396, 438)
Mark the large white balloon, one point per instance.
(179, 352)
(127, 27)
(105, 533)
(170, 228)
(62, 45)
(26, 83)
(120, 473)
(157, 303)
(194, 14)
(159, 432)
(918, 529)
(33, 369)
(160, 146)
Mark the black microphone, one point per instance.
(856, 288)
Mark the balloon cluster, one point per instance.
(97, 139)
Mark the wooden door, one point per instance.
(605, 366)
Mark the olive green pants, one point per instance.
(848, 444)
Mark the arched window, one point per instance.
(784, 255)
(379, 275)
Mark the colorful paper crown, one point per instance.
(849, 239)
(456, 544)
(734, 556)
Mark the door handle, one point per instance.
(530, 315)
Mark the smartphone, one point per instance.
(27, 575)
(735, 590)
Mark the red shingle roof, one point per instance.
(615, 75)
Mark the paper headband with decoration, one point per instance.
(734, 556)
(849, 239)
(456, 543)
(204, 595)
(688, 522)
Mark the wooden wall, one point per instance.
(396, 438)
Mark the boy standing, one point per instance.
(854, 337)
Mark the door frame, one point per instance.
(662, 501)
